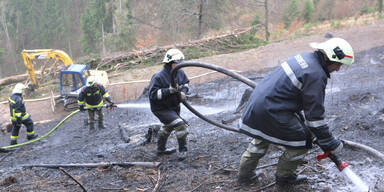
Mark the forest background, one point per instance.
(93, 29)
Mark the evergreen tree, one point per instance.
(291, 12)
(308, 10)
(92, 20)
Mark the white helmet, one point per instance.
(173, 55)
(91, 80)
(336, 49)
(19, 88)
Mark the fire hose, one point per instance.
(341, 165)
(215, 68)
(5, 148)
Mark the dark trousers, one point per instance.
(91, 116)
(16, 127)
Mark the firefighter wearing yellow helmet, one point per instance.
(19, 115)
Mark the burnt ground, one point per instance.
(354, 106)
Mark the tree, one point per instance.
(291, 12)
(308, 10)
(92, 20)
(266, 20)
(380, 5)
(122, 37)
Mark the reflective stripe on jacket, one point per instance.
(92, 97)
(297, 85)
(17, 107)
(159, 95)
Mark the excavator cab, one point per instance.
(72, 79)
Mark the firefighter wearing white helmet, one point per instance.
(165, 103)
(173, 55)
(92, 96)
(336, 50)
(287, 107)
(19, 115)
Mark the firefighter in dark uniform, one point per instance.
(287, 108)
(19, 115)
(92, 96)
(165, 103)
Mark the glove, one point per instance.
(182, 96)
(325, 139)
(172, 90)
(111, 105)
(330, 144)
(81, 107)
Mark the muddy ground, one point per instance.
(354, 106)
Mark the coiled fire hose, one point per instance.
(215, 68)
(49, 132)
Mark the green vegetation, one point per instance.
(290, 13)
(308, 10)
(93, 21)
(367, 10)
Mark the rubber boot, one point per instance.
(30, 137)
(91, 126)
(245, 181)
(13, 142)
(182, 148)
(161, 150)
(291, 179)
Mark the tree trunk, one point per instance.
(13, 79)
(266, 20)
(380, 6)
(200, 19)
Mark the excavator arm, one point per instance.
(30, 55)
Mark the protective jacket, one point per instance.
(17, 107)
(93, 96)
(164, 105)
(295, 86)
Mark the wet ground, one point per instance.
(354, 106)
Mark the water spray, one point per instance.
(345, 169)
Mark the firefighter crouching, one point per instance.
(91, 96)
(19, 115)
(165, 103)
(287, 108)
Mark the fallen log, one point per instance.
(17, 78)
(101, 164)
(370, 150)
(13, 79)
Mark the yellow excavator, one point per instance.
(71, 79)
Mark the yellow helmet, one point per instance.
(19, 88)
(336, 49)
(173, 55)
